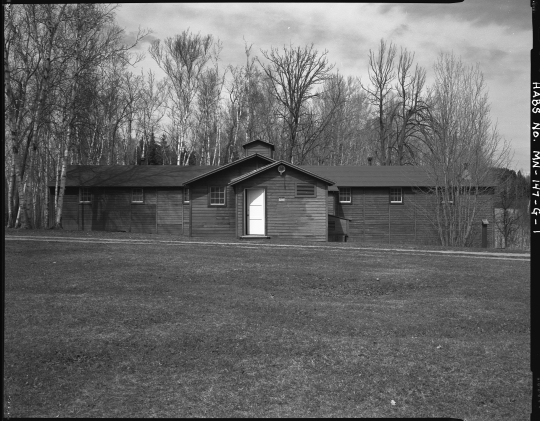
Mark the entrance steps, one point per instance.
(255, 237)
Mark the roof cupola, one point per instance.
(259, 146)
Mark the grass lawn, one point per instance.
(131, 330)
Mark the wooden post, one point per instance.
(157, 204)
(388, 221)
(130, 208)
(183, 193)
(190, 214)
(485, 224)
(415, 223)
(326, 213)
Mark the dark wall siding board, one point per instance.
(150, 195)
(260, 149)
(331, 203)
(294, 217)
(376, 215)
(240, 209)
(171, 229)
(116, 209)
(402, 219)
(169, 207)
(217, 221)
(143, 218)
(353, 211)
(336, 226)
(70, 217)
(374, 219)
(185, 218)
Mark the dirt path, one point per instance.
(365, 250)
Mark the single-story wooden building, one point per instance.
(258, 197)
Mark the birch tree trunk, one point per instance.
(61, 190)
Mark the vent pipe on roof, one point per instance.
(369, 159)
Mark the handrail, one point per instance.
(339, 217)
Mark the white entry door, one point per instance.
(255, 211)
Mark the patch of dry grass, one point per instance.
(122, 330)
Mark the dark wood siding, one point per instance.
(426, 232)
(402, 219)
(485, 210)
(297, 218)
(375, 219)
(169, 211)
(260, 149)
(111, 209)
(212, 221)
(70, 208)
(186, 218)
(353, 211)
(376, 214)
(218, 221)
(116, 211)
(143, 215)
(332, 197)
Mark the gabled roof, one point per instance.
(373, 176)
(259, 141)
(275, 164)
(132, 175)
(381, 176)
(218, 169)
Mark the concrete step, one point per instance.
(255, 237)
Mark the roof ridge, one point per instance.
(280, 162)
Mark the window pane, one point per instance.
(395, 195)
(85, 195)
(137, 195)
(345, 194)
(217, 195)
(186, 195)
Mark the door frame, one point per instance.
(246, 208)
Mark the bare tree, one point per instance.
(382, 74)
(343, 140)
(183, 59)
(240, 104)
(511, 209)
(320, 113)
(90, 39)
(53, 56)
(294, 73)
(461, 146)
(151, 111)
(409, 105)
(29, 36)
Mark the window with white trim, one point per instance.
(345, 195)
(217, 196)
(306, 190)
(396, 195)
(85, 195)
(137, 195)
(186, 195)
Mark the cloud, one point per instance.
(400, 30)
(514, 15)
(129, 39)
(494, 33)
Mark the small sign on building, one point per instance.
(281, 199)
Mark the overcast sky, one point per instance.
(496, 34)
